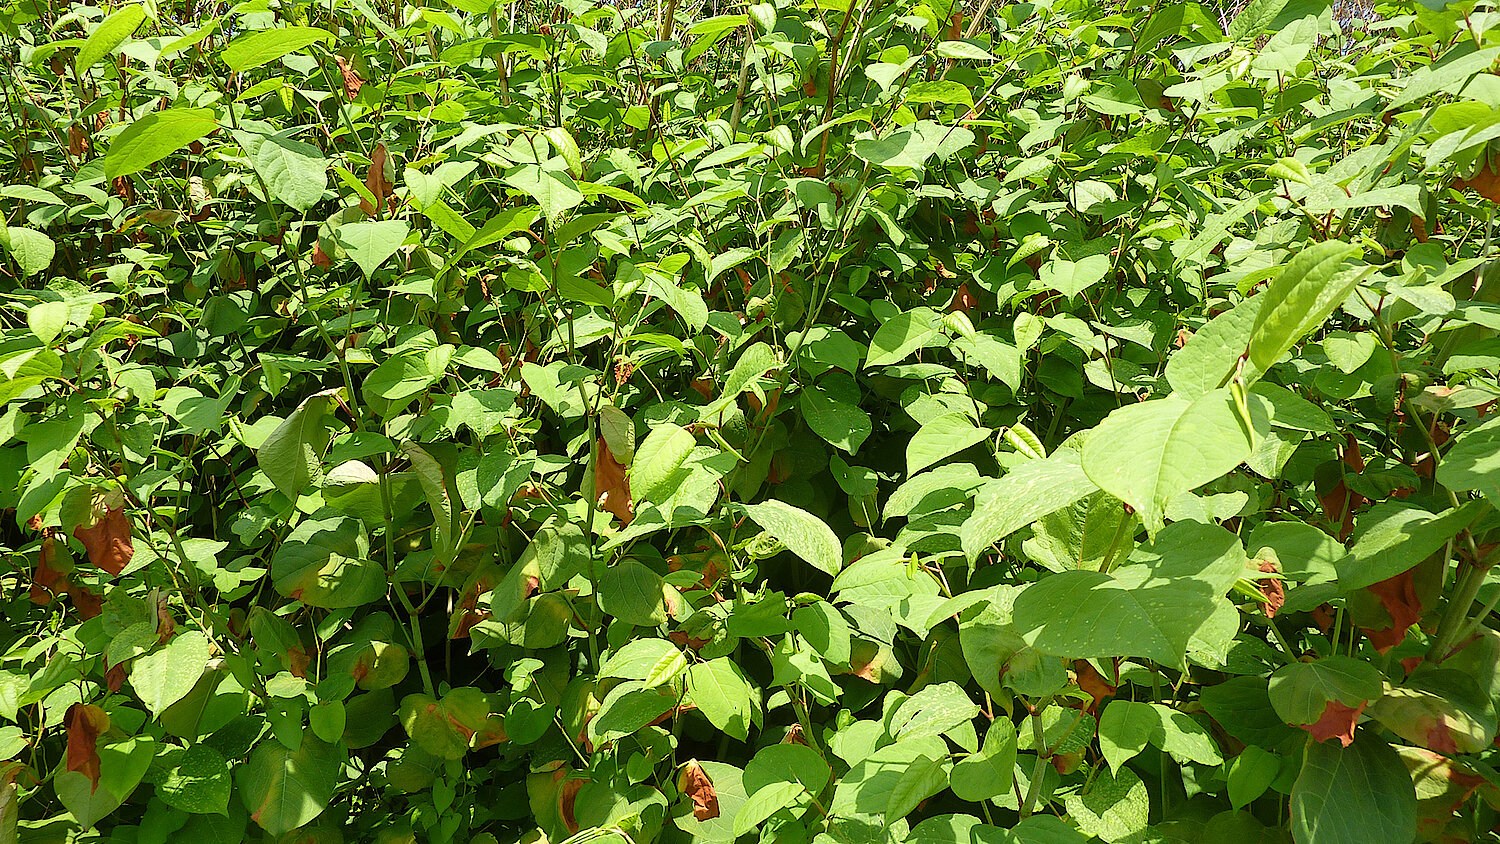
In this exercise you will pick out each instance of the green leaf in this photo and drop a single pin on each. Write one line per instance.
(632, 593)
(1071, 278)
(292, 454)
(1149, 453)
(295, 172)
(657, 470)
(197, 781)
(47, 320)
(109, 34)
(553, 190)
(369, 244)
(326, 563)
(1126, 727)
(765, 802)
(941, 437)
(1114, 807)
(831, 409)
(30, 249)
(121, 767)
(1211, 355)
(801, 532)
(166, 675)
(284, 789)
(923, 778)
(1393, 536)
(254, 49)
(1300, 298)
(724, 696)
(1151, 606)
(753, 363)
(1353, 795)
(154, 137)
(445, 727)
(1473, 463)
(1024, 494)
(1302, 690)
(901, 335)
(1250, 774)
(990, 772)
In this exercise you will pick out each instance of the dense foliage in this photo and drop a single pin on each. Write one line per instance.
(788, 422)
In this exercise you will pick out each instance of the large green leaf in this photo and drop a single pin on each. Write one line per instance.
(901, 335)
(1302, 690)
(369, 244)
(326, 563)
(284, 789)
(254, 49)
(1151, 606)
(1353, 795)
(1021, 496)
(154, 137)
(30, 249)
(1473, 463)
(292, 454)
(801, 532)
(166, 675)
(109, 34)
(724, 696)
(1149, 453)
(295, 172)
(939, 438)
(1299, 299)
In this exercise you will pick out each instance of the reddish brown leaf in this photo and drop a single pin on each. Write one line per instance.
(85, 723)
(963, 300)
(794, 735)
(567, 796)
(694, 782)
(108, 541)
(1272, 590)
(611, 484)
(85, 601)
(1337, 721)
(49, 576)
(1399, 597)
(319, 257)
(1486, 183)
(352, 82)
(298, 662)
(1093, 683)
(114, 678)
(493, 732)
(377, 181)
(78, 141)
(683, 640)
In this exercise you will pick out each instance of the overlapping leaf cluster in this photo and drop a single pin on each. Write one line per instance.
(888, 421)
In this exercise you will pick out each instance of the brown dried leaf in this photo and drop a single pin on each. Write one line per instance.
(694, 782)
(377, 181)
(352, 82)
(85, 723)
(108, 541)
(611, 484)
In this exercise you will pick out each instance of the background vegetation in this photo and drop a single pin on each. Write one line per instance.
(784, 422)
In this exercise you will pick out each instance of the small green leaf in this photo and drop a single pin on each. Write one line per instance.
(369, 244)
